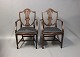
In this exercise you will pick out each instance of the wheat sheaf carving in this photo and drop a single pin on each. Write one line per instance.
(50, 12)
(27, 18)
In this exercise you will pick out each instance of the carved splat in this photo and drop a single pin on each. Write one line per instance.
(49, 12)
(27, 13)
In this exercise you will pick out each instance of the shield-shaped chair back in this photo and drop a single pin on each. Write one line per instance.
(27, 17)
(50, 17)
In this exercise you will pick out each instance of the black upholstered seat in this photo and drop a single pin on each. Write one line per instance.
(26, 30)
(51, 29)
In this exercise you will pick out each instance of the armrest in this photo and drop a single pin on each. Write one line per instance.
(62, 24)
(42, 25)
(16, 25)
(36, 21)
(17, 20)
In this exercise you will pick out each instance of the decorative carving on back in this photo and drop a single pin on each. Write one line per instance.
(49, 12)
(27, 18)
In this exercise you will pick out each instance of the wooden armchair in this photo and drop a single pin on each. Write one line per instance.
(27, 28)
(50, 28)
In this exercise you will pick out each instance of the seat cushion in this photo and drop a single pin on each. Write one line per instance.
(26, 30)
(51, 29)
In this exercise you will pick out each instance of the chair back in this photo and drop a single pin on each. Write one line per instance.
(27, 17)
(50, 17)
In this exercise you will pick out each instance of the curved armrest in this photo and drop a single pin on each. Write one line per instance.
(17, 20)
(42, 25)
(16, 25)
(62, 24)
(36, 21)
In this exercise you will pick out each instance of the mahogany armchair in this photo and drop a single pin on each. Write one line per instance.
(50, 27)
(27, 28)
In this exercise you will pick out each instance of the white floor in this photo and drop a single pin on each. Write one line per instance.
(71, 48)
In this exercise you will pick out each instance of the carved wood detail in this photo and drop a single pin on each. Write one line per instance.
(49, 12)
(27, 18)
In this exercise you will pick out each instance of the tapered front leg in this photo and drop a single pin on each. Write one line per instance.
(17, 41)
(36, 40)
(42, 41)
(62, 40)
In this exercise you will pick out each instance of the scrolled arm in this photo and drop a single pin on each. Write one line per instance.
(36, 21)
(16, 25)
(42, 25)
(62, 24)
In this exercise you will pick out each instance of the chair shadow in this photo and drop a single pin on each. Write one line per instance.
(40, 42)
(49, 43)
(66, 43)
(73, 33)
(28, 43)
(69, 28)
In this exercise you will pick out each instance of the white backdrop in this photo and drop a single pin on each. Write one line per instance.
(69, 12)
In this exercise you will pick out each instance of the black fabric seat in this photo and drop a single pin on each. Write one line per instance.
(26, 30)
(51, 29)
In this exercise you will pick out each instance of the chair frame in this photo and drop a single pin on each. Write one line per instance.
(52, 34)
(32, 34)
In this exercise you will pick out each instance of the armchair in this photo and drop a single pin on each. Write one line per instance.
(50, 28)
(26, 28)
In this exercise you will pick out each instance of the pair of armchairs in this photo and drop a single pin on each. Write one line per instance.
(49, 28)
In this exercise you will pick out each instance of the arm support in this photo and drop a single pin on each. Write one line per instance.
(42, 25)
(61, 24)
(36, 21)
(16, 25)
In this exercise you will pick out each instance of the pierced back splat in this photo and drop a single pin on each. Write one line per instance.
(27, 18)
(49, 12)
